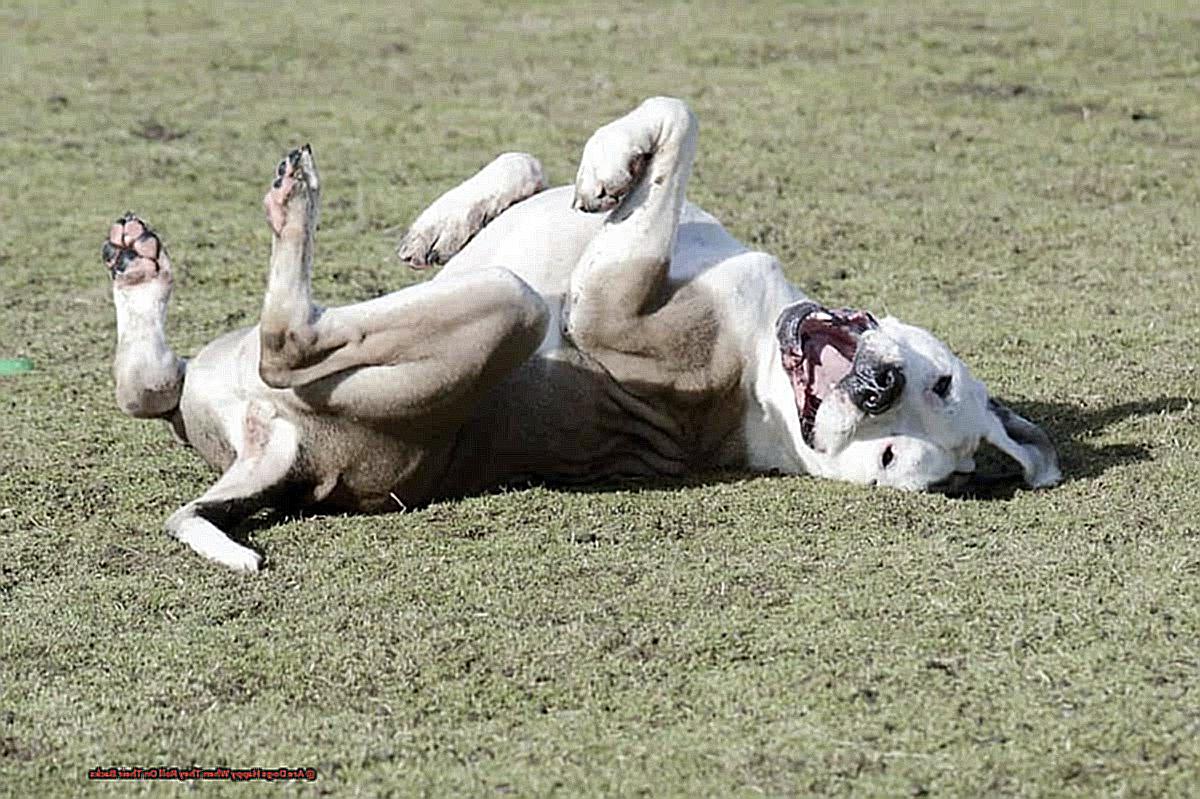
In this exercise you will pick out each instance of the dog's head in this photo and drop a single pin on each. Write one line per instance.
(882, 402)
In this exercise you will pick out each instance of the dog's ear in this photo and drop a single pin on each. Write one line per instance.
(1024, 442)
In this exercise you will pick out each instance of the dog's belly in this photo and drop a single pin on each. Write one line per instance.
(352, 466)
(559, 420)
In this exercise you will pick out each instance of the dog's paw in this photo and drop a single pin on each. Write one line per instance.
(294, 191)
(229, 554)
(135, 255)
(438, 235)
(208, 541)
(246, 561)
(613, 161)
(618, 155)
(445, 227)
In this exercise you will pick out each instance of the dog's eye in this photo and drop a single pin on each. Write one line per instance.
(942, 386)
(887, 457)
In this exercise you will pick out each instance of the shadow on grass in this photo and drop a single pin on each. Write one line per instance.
(1069, 426)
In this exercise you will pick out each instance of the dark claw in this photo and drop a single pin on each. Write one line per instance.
(282, 168)
(277, 183)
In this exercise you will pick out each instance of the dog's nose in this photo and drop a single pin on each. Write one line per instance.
(876, 389)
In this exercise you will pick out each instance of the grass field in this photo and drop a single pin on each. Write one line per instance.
(1024, 182)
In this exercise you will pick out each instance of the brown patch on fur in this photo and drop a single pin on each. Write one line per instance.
(673, 342)
(656, 394)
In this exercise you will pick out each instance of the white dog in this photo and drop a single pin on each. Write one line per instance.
(574, 335)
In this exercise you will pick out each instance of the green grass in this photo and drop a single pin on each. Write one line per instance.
(1025, 182)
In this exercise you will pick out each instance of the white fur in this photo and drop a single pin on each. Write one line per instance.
(930, 437)
(205, 539)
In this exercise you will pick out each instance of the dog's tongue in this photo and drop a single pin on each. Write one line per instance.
(829, 367)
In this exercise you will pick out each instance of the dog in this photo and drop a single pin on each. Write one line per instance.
(575, 334)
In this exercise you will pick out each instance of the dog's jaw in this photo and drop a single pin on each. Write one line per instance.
(772, 429)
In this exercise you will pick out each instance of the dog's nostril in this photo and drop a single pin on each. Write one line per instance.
(876, 390)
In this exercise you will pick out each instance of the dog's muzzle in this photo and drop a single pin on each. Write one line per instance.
(874, 388)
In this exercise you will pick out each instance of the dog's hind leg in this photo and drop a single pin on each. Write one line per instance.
(266, 452)
(423, 353)
(444, 228)
(149, 376)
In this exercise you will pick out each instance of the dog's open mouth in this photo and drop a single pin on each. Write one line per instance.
(818, 352)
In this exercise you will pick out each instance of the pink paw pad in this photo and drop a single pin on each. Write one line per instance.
(133, 253)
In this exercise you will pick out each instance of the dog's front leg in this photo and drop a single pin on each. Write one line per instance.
(444, 228)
